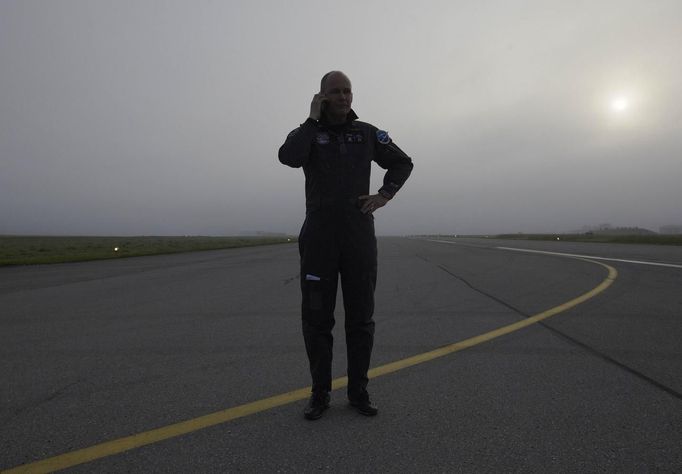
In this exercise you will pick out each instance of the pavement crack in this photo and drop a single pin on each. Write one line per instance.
(289, 280)
(36, 403)
(611, 360)
(477, 290)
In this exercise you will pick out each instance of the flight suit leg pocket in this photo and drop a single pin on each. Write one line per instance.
(319, 298)
(313, 292)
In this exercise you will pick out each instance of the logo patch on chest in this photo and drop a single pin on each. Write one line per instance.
(322, 138)
(354, 136)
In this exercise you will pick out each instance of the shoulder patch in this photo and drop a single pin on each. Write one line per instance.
(382, 137)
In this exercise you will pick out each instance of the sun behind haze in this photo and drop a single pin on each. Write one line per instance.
(620, 103)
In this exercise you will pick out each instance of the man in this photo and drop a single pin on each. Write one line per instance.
(336, 151)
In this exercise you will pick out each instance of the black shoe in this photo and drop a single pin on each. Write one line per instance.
(364, 406)
(318, 403)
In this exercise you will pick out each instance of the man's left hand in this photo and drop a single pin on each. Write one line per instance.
(372, 202)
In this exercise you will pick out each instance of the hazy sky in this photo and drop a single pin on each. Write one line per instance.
(164, 117)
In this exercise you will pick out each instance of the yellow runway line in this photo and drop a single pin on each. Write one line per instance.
(120, 445)
(465, 344)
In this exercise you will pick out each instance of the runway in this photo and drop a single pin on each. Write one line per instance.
(99, 352)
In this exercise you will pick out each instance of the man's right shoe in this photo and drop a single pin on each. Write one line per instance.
(363, 405)
(318, 403)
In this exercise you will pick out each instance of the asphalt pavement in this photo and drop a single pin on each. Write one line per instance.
(95, 352)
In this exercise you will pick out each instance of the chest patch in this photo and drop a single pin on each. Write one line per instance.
(322, 138)
(354, 136)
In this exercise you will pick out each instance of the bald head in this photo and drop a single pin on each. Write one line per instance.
(331, 75)
(338, 96)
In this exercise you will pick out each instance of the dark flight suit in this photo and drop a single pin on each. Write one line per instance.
(337, 238)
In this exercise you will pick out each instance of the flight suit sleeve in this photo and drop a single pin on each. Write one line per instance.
(394, 160)
(295, 151)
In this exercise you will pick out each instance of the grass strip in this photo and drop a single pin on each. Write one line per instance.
(29, 250)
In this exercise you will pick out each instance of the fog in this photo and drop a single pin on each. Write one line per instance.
(164, 118)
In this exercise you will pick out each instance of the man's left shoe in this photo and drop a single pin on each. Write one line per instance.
(364, 406)
(318, 403)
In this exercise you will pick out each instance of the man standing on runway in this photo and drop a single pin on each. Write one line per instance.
(336, 151)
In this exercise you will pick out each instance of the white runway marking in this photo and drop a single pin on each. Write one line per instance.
(637, 262)
(592, 257)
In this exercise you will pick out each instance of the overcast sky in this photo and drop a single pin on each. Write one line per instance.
(164, 117)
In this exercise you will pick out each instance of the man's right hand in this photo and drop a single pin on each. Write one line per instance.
(316, 106)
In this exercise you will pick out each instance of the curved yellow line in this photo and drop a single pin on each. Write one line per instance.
(465, 344)
(120, 445)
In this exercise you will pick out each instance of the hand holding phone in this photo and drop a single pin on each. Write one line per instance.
(317, 106)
